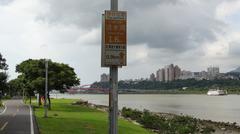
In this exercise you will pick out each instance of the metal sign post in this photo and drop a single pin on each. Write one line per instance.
(113, 101)
(113, 94)
(114, 55)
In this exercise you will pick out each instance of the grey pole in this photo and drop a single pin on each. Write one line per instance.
(46, 88)
(113, 96)
(113, 92)
(114, 5)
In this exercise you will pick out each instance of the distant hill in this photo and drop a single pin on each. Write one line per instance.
(237, 70)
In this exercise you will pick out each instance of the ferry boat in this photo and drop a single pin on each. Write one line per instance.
(216, 92)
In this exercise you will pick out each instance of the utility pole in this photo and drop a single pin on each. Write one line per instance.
(46, 89)
(113, 92)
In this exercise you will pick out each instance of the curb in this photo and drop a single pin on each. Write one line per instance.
(36, 127)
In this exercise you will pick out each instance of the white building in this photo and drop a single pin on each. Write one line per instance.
(186, 75)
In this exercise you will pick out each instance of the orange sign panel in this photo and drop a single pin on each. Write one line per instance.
(115, 27)
(114, 39)
(115, 32)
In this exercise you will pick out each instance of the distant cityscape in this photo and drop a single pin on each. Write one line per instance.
(174, 72)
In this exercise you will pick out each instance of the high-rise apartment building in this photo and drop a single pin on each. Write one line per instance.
(200, 75)
(177, 72)
(160, 75)
(168, 73)
(152, 77)
(173, 72)
(104, 78)
(212, 72)
(186, 75)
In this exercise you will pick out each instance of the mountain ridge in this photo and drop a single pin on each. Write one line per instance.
(237, 70)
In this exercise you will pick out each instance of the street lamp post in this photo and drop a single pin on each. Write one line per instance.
(46, 88)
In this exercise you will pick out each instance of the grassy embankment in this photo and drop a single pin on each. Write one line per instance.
(1, 104)
(65, 118)
(165, 123)
(1, 101)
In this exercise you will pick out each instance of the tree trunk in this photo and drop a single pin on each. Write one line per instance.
(49, 101)
(30, 98)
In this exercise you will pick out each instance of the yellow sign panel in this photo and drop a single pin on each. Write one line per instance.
(114, 38)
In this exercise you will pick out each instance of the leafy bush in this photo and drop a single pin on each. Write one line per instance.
(6, 97)
(1, 104)
(184, 124)
(164, 125)
(152, 121)
(132, 114)
(207, 130)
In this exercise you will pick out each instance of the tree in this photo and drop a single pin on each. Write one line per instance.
(3, 74)
(3, 64)
(60, 76)
(15, 86)
(19, 86)
(3, 82)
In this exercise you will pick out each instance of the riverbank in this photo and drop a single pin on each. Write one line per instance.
(67, 118)
(160, 91)
(170, 123)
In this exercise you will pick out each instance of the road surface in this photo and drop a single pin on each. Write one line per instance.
(17, 118)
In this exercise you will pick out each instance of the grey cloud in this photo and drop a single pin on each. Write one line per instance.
(5, 2)
(85, 14)
(145, 4)
(177, 25)
(234, 49)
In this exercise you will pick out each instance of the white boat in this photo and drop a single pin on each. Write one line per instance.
(216, 92)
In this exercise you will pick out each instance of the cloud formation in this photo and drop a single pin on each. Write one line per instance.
(5, 2)
(176, 24)
(191, 33)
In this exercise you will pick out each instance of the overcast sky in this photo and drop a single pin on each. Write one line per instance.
(193, 34)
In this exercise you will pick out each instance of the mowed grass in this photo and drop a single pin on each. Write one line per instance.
(65, 118)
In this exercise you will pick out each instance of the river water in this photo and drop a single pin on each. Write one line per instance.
(216, 108)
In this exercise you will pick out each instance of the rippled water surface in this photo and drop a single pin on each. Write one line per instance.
(217, 108)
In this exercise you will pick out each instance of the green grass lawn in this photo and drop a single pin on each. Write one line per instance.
(65, 118)
(1, 104)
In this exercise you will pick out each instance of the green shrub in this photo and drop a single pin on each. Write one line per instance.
(1, 104)
(132, 114)
(184, 124)
(208, 130)
(6, 97)
(174, 125)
